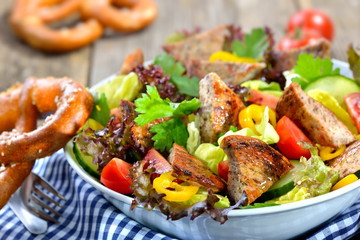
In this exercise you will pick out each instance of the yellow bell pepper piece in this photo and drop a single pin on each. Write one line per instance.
(345, 181)
(229, 57)
(333, 105)
(174, 192)
(253, 114)
(327, 153)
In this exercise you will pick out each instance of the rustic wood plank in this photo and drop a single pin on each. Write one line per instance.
(110, 52)
(19, 61)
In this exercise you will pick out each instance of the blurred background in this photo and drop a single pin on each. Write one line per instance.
(104, 57)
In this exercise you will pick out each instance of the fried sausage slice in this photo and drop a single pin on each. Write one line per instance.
(315, 120)
(188, 168)
(230, 72)
(219, 109)
(254, 166)
(199, 46)
(348, 162)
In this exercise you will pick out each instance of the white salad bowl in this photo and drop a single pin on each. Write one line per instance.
(276, 222)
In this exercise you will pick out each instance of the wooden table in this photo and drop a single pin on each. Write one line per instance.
(91, 64)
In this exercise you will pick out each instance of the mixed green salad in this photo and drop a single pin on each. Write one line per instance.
(160, 103)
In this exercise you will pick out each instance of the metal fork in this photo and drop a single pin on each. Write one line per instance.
(29, 198)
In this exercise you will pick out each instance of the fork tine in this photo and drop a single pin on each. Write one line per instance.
(41, 214)
(38, 201)
(45, 196)
(42, 182)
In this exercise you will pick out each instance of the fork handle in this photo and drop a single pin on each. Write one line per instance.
(34, 224)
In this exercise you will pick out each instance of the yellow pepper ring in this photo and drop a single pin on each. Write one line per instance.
(174, 192)
(253, 114)
(327, 153)
(229, 57)
(345, 181)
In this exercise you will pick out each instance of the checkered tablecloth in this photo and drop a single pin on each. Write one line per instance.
(88, 215)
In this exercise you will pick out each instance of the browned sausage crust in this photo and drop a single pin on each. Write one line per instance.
(188, 168)
(254, 166)
(315, 120)
(348, 162)
(219, 109)
(199, 46)
(230, 72)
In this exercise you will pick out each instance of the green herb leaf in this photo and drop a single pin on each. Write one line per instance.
(186, 107)
(354, 61)
(152, 107)
(186, 85)
(166, 133)
(253, 45)
(169, 65)
(101, 110)
(311, 69)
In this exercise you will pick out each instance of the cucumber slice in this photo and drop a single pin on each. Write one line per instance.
(337, 86)
(284, 185)
(85, 162)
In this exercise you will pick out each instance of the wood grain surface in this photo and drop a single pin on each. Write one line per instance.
(91, 64)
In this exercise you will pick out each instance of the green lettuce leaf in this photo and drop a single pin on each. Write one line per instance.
(121, 87)
(315, 179)
(101, 110)
(211, 155)
(201, 195)
(316, 176)
(193, 141)
(271, 88)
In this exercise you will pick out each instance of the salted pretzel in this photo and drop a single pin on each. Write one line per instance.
(136, 15)
(21, 141)
(28, 20)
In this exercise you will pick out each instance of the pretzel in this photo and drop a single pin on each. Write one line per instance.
(21, 105)
(55, 10)
(136, 16)
(28, 21)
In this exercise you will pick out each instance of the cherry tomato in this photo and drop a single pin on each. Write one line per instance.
(314, 20)
(290, 137)
(155, 160)
(115, 176)
(299, 38)
(352, 102)
(223, 169)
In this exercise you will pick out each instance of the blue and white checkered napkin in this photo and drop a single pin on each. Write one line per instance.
(88, 215)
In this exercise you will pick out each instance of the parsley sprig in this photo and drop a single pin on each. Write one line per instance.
(254, 45)
(311, 69)
(151, 107)
(186, 85)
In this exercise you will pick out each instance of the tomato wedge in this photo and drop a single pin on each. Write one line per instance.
(263, 99)
(290, 137)
(352, 102)
(155, 160)
(115, 176)
(223, 169)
